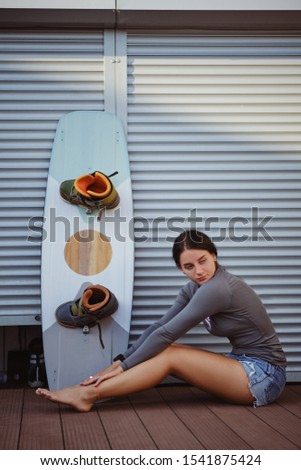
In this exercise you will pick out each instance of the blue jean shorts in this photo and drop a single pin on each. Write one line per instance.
(266, 381)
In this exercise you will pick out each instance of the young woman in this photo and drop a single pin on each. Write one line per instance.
(253, 373)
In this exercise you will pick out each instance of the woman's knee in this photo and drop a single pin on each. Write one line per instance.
(180, 346)
(171, 356)
(168, 354)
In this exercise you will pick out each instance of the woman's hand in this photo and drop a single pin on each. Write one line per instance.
(111, 371)
(118, 370)
(90, 380)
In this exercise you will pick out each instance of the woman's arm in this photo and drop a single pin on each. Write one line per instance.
(180, 302)
(212, 297)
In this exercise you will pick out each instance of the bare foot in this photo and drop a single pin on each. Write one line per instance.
(80, 398)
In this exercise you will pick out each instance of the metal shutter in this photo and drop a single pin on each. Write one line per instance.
(43, 76)
(214, 126)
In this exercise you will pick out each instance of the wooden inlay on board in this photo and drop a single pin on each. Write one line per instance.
(88, 252)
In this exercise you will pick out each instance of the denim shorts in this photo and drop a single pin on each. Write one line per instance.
(266, 381)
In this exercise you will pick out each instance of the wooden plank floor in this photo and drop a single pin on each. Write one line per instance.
(167, 417)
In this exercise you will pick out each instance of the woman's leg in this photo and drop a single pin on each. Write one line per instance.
(214, 373)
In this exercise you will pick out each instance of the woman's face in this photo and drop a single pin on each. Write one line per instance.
(198, 265)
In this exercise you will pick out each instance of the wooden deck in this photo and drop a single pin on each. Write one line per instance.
(167, 418)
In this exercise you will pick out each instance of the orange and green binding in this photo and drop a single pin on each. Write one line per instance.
(95, 304)
(91, 191)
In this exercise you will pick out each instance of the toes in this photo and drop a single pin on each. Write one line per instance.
(43, 392)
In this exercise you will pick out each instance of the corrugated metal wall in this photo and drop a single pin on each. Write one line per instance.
(42, 76)
(214, 133)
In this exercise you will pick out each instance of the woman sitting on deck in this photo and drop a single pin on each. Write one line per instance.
(253, 373)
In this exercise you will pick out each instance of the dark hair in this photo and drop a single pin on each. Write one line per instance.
(192, 240)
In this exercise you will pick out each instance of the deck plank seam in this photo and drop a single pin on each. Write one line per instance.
(62, 426)
(21, 420)
(137, 414)
(268, 423)
(103, 427)
(222, 421)
(182, 421)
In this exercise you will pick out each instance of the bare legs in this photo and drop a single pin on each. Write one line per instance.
(208, 371)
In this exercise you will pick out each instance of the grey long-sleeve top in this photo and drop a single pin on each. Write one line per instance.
(227, 306)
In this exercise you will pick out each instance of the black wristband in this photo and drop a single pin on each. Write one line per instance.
(120, 357)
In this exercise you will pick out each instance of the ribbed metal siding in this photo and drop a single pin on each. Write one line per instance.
(214, 125)
(42, 76)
